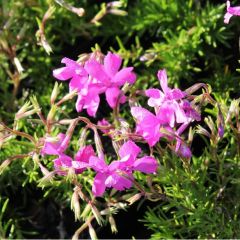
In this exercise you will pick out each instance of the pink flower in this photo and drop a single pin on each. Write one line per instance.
(73, 71)
(57, 146)
(80, 162)
(118, 174)
(111, 77)
(148, 125)
(165, 103)
(230, 12)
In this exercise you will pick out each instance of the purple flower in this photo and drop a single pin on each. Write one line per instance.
(111, 77)
(56, 146)
(80, 162)
(165, 103)
(230, 12)
(118, 174)
(73, 71)
(148, 125)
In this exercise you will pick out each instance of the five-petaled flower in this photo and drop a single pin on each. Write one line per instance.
(119, 174)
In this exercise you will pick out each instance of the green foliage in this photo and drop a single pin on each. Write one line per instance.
(189, 39)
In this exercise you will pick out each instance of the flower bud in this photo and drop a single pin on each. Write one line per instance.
(75, 205)
(82, 138)
(55, 92)
(86, 211)
(26, 106)
(18, 65)
(98, 143)
(4, 165)
(97, 215)
(115, 4)
(51, 113)
(134, 198)
(92, 232)
(117, 12)
(112, 224)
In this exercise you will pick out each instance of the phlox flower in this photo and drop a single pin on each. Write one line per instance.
(230, 12)
(55, 146)
(119, 174)
(79, 163)
(111, 77)
(166, 102)
(73, 71)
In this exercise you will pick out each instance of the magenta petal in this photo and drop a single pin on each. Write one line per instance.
(162, 76)
(63, 161)
(129, 148)
(79, 103)
(122, 183)
(146, 165)
(70, 63)
(99, 187)
(96, 70)
(123, 76)
(51, 148)
(79, 165)
(91, 104)
(63, 73)
(149, 128)
(77, 82)
(97, 164)
(176, 94)
(184, 151)
(112, 63)
(112, 95)
(140, 113)
(84, 154)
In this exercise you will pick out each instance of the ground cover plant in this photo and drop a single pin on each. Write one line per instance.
(119, 115)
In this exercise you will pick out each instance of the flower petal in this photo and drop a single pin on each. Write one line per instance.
(112, 95)
(146, 164)
(112, 63)
(123, 76)
(129, 148)
(99, 186)
(162, 76)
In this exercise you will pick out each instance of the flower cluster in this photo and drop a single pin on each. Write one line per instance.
(93, 78)
(97, 74)
(118, 174)
(173, 113)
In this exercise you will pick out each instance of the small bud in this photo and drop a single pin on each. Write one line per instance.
(67, 97)
(117, 12)
(51, 113)
(220, 122)
(4, 165)
(27, 106)
(54, 93)
(79, 11)
(203, 131)
(18, 65)
(134, 198)
(82, 138)
(112, 224)
(92, 232)
(234, 108)
(86, 211)
(75, 205)
(98, 143)
(115, 4)
(35, 104)
(97, 215)
(46, 179)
